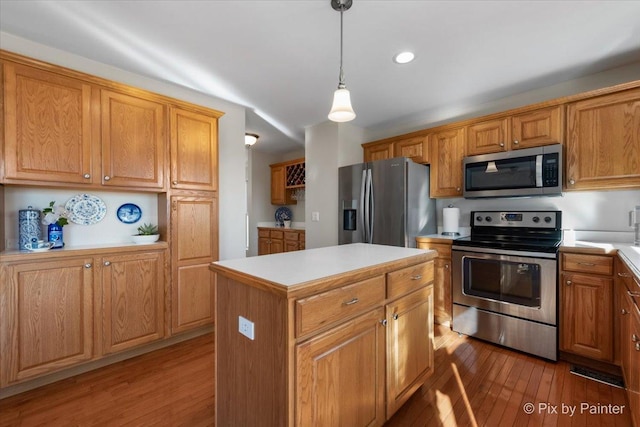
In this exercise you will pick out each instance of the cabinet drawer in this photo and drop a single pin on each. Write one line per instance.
(597, 264)
(408, 279)
(263, 233)
(291, 235)
(334, 305)
(275, 234)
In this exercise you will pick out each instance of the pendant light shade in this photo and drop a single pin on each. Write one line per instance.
(341, 110)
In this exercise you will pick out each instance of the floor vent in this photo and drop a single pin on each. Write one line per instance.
(612, 380)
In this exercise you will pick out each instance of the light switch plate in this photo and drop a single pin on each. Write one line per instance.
(315, 216)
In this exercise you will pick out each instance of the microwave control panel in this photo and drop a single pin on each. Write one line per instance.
(550, 167)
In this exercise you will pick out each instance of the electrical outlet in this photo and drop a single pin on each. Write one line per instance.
(315, 216)
(245, 327)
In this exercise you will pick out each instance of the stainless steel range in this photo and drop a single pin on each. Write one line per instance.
(505, 280)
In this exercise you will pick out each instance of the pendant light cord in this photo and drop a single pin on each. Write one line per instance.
(341, 84)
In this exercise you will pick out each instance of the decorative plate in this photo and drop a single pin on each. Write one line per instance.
(86, 209)
(129, 213)
(283, 213)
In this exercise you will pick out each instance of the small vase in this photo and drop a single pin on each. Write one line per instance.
(55, 236)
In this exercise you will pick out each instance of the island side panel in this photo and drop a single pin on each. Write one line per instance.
(251, 375)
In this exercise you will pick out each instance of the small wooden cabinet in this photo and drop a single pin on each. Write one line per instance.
(46, 317)
(447, 151)
(416, 148)
(194, 245)
(286, 177)
(603, 142)
(488, 137)
(133, 300)
(586, 305)
(194, 150)
(277, 240)
(377, 151)
(442, 300)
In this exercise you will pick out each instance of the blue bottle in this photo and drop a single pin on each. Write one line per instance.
(55, 235)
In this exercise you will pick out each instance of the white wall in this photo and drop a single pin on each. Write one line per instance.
(232, 202)
(328, 146)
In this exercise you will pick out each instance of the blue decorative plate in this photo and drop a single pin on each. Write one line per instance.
(86, 209)
(129, 213)
(283, 213)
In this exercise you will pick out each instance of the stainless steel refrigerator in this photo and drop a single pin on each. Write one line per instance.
(385, 202)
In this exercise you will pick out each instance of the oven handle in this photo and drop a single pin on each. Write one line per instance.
(504, 252)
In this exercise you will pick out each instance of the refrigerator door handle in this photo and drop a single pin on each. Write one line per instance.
(361, 214)
(372, 206)
(367, 206)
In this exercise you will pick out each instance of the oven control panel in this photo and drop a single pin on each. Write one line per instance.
(529, 219)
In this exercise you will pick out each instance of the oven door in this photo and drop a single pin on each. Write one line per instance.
(514, 285)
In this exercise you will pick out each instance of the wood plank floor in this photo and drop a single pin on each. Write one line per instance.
(475, 384)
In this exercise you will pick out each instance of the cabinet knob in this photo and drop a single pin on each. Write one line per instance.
(634, 338)
(107, 263)
(623, 312)
(446, 266)
(107, 177)
(87, 265)
(86, 176)
(174, 182)
(572, 181)
(351, 302)
(502, 144)
(638, 346)
(395, 316)
(458, 189)
(516, 142)
(569, 282)
(383, 322)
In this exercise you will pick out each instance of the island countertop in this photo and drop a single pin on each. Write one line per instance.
(291, 269)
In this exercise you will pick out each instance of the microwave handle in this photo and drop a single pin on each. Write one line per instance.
(539, 170)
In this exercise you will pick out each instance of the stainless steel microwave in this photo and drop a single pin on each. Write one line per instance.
(530, 172)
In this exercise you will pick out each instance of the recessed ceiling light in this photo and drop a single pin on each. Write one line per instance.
(403, 57)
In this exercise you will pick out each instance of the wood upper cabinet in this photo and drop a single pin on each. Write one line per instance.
(46, 317)
(47, 126)
(194, 150)
(194, 240)
(373, 152)
(447, 151)
(279, 194)
(133, 141)
(586, 306)
(539, 127)
(340, 375)
(133, 300)
(603, 142)
(488, 137)
(409, 344)
(417, 149)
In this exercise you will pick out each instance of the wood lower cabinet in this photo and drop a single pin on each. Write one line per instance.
(194, 150)
(409, 344)
(194, 245)
(277, 240)
(603, 142)
(442, 299)
(46, 317)
(447, 150)
(586, 306)
(340, 375)
(133, 300)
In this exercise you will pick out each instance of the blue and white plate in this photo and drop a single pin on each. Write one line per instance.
(129, 213)
(283, 213)
(86, 209)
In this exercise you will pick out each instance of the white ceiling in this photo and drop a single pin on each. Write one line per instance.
(280, 59)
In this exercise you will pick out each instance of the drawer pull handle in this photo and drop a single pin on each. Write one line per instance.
(353, 301)
(588, 264)
(624, 275)
(416, 277)
(395, 316)
(634, 294)
(383, 322)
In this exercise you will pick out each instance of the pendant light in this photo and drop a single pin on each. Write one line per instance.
(250, 139)
(341, 110)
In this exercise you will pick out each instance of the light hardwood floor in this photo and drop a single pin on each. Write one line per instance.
(474, 384)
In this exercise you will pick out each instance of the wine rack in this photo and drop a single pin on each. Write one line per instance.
(295, 175)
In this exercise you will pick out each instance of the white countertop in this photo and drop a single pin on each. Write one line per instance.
(629, 253)
(294, 268)
(631, 256)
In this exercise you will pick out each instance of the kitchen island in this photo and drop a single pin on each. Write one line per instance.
(339, 335)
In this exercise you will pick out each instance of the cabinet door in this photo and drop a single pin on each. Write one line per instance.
(442, 310)
(264, 246)
(603, 142)
(133, 300)
(133, 141)
(378, 152)
(447, 151)
(536, 128)
(194, 242)
(410, 346)
(340, 375)
(194, 150)
(279, 194)
(47, 125)
(488, 137)
(417, 149)
(276, 246)
(291, 245)
(633, 386)
(623, 319)
(587, 319)
(46, 317)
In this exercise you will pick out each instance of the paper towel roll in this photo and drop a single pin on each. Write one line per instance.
(450, 219)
